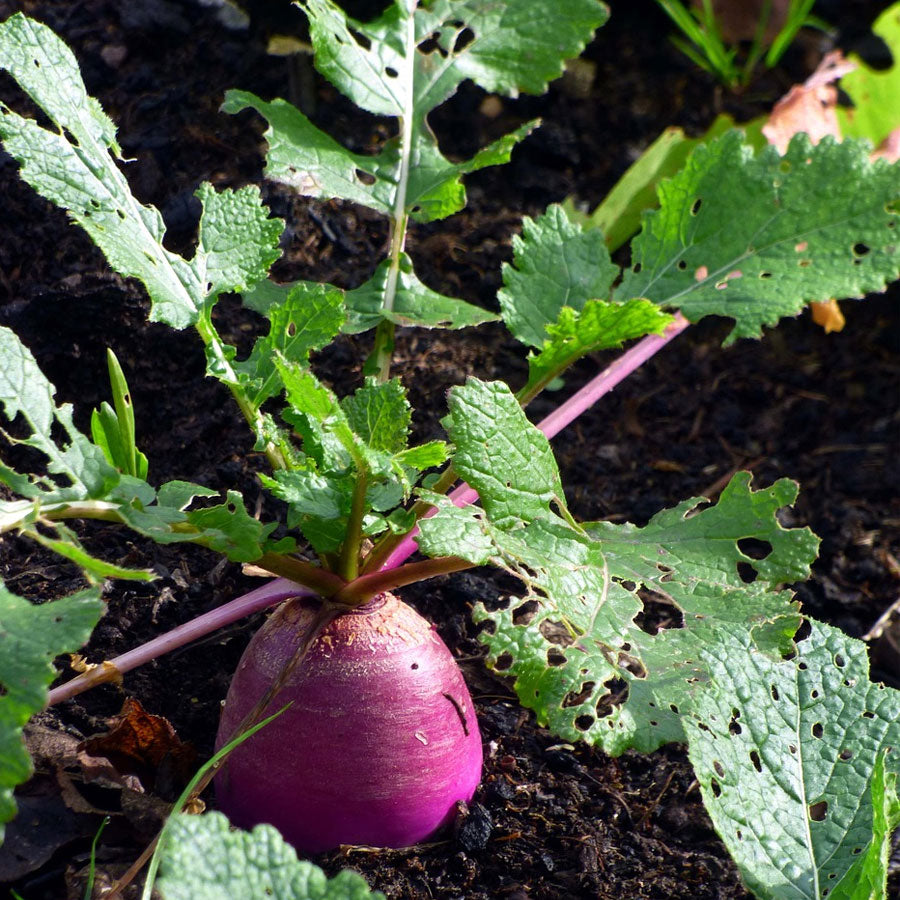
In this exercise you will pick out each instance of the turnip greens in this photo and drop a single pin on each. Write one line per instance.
(794, 748)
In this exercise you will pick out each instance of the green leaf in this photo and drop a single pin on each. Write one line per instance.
(424, 456)
(313, 163)
(74, 167)
(238, 241)
(875, 93)
(306, 319)
(30, 637)
(509, 46)
(204, 859)
(318, 504)
(380, 414)
(707, 541)
(229, 529)
(756, 238)
(515, 45)
(507, 460)
(598, 326)
(318, 418)
(619, 215)
(415, 304)
(180, 494)
(113, 429)
(556, 264)
(25, 391)
(865, 879)
(790, 789)
(574, 644)
(94, 569)
(435, 188)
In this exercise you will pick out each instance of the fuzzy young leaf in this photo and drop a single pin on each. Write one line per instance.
(318, 505)
(790, 788)
(306, 318)
(362, 436)
(30, 637)
(758, 237)
(238, 242)
(598, 326)
(555, 264)
(204, 859)
(511, 466)
(415, 304)
(380, 414)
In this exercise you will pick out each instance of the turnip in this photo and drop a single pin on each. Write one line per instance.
(380, 741)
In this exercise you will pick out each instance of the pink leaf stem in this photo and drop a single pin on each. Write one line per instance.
(270, 593)
(563, 416)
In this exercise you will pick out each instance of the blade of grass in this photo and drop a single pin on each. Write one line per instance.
(189, 790)
(89, 887)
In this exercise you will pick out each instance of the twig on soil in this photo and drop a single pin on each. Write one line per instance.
(877, 630)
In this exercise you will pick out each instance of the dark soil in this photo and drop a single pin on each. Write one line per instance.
(551, 820)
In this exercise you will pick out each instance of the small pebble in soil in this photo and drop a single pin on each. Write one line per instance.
(473, 829)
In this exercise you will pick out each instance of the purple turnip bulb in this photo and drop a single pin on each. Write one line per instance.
(380, 741)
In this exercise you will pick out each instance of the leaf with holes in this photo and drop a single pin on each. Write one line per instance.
(790, 790)
(574, 644)
(30, 637)
(508, 47)
(757, 237)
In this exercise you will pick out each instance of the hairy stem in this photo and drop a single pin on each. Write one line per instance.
(277, 456)
(384, 333)
(349, 562)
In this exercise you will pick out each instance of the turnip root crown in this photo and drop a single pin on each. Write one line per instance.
(380, 741)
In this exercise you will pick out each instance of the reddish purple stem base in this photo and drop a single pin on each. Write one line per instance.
(281, 589)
